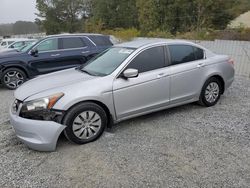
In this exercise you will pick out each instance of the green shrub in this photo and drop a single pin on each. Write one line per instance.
(123, 34)
(159, 34)
(198, 35)
(92, 26)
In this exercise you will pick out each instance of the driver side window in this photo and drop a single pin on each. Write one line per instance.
(148, 60)
(48, 45)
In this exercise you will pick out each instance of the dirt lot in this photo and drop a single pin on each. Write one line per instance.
(188, 146)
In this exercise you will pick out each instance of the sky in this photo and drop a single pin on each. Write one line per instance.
(15, 10)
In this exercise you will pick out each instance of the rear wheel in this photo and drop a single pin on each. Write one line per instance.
(211, 92)
(85, 123)
(13, 78)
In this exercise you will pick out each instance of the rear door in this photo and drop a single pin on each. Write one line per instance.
(187, 70)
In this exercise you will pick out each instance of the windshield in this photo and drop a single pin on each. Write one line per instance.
(26, 47)
(106, 62)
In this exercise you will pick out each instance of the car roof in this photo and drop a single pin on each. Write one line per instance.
(76, 34)
(15, 39)
(138, 43)
(22, 40)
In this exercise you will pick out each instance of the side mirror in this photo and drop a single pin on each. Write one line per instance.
(130, 73)
(34, 52)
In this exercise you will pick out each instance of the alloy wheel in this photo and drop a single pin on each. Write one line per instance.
(13, 79)
(212, 92)
(86, 125)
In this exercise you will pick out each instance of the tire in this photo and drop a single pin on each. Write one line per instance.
(211, 92)
(82, 123)
(12, 78)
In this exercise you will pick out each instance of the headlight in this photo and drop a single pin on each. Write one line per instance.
(45, 103)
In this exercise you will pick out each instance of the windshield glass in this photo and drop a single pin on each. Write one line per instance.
(26, 47)
(106, 62)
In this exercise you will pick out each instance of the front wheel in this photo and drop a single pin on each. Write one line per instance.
(211, 92)
(85, 123)
(13, 78)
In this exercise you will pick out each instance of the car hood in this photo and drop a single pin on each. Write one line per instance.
(8, 50)
(10, 54)
(51, 81)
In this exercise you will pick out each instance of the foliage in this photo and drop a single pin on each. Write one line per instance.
(123, 34)
(114, 14)
(159, 34)
(163, 18)
(147, 15)
(94, 26)
(62, 15)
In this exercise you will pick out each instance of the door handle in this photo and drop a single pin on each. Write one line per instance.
(162, 75)
(201, 65)
(84, 52)
(55, 55)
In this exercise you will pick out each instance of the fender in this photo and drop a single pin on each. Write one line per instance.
(15, 64)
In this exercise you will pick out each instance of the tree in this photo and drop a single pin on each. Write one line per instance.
(62, 15)
(20, 27)
(114, 14)
(148, 16)
(23, 27)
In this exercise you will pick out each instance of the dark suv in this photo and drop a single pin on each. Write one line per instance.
(50, 54)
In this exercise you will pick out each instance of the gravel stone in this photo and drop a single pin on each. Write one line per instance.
(187, 146)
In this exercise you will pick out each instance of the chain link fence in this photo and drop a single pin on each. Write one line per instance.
(238, 50)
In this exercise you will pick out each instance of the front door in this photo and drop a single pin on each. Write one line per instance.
(148, 91)
(48, 57)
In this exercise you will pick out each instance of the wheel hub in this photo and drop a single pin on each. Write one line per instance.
(212, 92)
(86, 125)
(13, 79)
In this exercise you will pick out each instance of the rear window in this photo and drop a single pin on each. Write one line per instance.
(181, 54)
(101, 40)
(199, 53)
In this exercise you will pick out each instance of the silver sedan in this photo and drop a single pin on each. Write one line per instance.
(125, 81)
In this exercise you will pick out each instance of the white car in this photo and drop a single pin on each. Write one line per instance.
(20, 44)
(6, 42)
(9, 43)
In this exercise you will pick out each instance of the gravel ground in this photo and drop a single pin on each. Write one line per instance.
(188, 146)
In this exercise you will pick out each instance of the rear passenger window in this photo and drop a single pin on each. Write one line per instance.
(74, 42)
(101, 40)
(181, 54)
(199, 53)
(148, 60)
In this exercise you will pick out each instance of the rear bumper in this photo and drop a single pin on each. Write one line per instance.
(228, 83)
(37, 135)
(230, 77)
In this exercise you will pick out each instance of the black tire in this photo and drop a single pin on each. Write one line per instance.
(71, 118)
(203, 100)
(12, 78)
